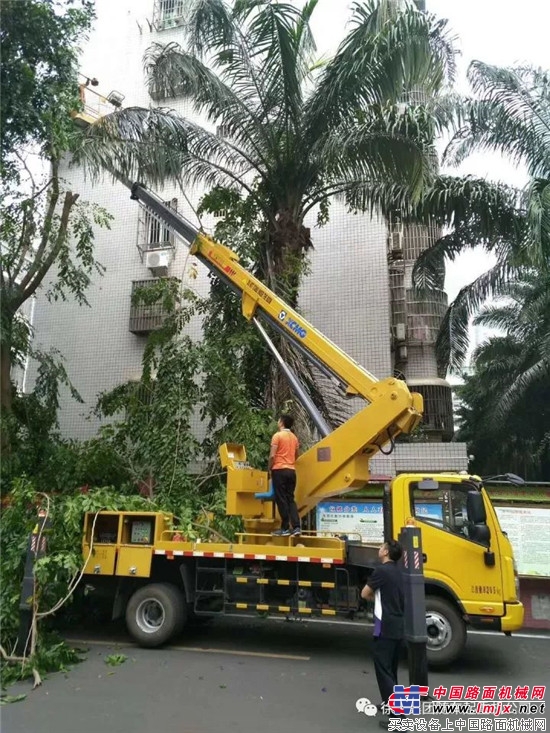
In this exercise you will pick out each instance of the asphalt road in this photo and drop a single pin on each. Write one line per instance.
(247, 676)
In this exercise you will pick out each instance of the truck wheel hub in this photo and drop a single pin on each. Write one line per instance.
(439, 630)
(150, 616)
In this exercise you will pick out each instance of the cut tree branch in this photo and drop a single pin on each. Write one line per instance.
(50, 211)
(38, 275)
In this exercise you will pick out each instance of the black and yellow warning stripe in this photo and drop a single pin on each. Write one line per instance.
(274, 581)
(281, 609)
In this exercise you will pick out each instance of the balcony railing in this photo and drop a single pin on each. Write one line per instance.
(145, 318)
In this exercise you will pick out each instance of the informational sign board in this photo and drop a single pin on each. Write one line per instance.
(356, 519)
(528, 529)
(361, 519)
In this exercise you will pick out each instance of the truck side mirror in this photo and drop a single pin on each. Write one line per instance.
(475, 508)
(480, 533)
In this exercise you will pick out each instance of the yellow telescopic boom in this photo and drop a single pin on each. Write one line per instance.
(339, 461)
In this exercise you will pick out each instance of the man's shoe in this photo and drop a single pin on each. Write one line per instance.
(296, 532)
(281, 533)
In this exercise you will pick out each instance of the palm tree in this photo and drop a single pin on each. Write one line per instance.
(505, 412)
(511, 116)
(292, 132)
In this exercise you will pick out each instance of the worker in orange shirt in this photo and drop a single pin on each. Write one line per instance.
(282, 466)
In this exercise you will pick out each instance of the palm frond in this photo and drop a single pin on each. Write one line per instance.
(210, 24)
(454, 337)
(362, 155)
(535, 374)
(538, 218)
(156, 145)
(496, 316)
(173, 72)
(271, 37)
(477, 212)
(389, 52)
(304, 37)
(512, 117)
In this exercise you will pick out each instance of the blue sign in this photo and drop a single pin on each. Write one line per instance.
(345, 507)
(428, 510)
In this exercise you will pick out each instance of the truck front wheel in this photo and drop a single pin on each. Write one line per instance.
(155, 613)
(446, 632)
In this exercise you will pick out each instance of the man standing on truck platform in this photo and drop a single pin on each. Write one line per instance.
(282, 466)
(385, 587)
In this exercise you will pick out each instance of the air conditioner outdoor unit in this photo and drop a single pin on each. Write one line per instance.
(158, 260)
(400, 331)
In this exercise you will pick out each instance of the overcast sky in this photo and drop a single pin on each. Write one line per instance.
(498, 32)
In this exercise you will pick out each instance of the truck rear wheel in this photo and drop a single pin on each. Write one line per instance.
(446, 632)
(155, 613)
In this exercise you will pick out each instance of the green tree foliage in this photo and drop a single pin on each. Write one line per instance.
(234, 359)
(40, 453)
(152, 435)
(509, 115)
(56, 574)
(39, 41)
(505, 403)
(46, 232)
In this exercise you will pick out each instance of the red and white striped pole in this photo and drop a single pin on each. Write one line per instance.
(415, 604)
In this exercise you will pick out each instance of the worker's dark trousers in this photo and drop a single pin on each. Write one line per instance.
(386, 659)
(284, 483)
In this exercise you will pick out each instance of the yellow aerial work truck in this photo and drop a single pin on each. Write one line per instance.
(160, 578)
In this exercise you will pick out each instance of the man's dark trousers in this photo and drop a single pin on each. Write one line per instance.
(386, 659)
(284, 484)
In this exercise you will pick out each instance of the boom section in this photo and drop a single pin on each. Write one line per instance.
(259, 300)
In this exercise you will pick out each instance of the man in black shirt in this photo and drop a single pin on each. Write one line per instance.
(385, 587)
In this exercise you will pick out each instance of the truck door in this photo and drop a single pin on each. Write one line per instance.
(457, 551)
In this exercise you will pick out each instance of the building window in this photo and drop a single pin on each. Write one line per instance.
(156, 235)
(168, 14)
(152, 232)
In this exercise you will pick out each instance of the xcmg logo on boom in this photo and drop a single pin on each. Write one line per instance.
(293, 325)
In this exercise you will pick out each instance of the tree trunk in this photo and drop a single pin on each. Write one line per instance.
(6, 393)
(287, 245)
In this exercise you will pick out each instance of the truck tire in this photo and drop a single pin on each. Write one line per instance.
(446, 632)
(155, 613)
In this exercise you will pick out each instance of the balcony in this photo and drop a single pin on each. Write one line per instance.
(145, 318)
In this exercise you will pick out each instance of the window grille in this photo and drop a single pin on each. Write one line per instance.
(168, 14)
